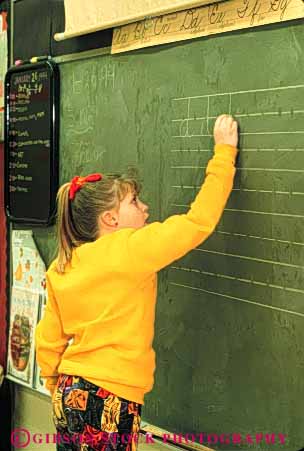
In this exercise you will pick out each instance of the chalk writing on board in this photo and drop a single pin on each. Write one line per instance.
(83, 81)
(19, 165)
(19, 133)
(17, 154)
(269, 184)
(25, 87)
(204, 21)
(30, 137)
(86, 153)
(43, 142)
(30, 117)
(81, 121)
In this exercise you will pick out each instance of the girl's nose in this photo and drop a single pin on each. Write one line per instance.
(144, 207)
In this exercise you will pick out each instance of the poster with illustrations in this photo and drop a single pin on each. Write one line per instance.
(23, 319)
(28, 266)
(28, 297)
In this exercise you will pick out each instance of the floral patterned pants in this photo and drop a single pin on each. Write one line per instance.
(90, 418)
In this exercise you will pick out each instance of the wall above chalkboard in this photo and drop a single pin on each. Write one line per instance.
(31, 142)
(97, 15)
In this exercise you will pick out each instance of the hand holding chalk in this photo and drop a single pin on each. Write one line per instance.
(226, 130)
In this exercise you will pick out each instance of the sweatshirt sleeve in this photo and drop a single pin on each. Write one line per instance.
(50, 341)
(157, 245)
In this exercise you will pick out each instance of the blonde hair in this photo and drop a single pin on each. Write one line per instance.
(77, 219)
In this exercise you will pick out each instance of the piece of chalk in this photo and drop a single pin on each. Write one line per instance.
(38, 59)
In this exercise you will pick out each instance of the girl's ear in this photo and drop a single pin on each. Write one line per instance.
(108, 219)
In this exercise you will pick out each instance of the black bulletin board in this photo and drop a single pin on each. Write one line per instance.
(31, 142)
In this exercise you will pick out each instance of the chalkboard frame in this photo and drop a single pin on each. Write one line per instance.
(54, 104)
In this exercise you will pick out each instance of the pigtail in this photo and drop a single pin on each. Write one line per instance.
(66, 234)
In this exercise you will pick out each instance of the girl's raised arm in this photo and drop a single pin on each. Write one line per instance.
(157, 245)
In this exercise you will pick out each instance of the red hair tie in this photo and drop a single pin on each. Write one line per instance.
(77, 182)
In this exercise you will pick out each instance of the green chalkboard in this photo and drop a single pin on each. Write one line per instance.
(229, 325)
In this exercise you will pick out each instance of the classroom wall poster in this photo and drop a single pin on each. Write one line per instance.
(28, 266)
(27, 302)
(204, 21)
(23, 320)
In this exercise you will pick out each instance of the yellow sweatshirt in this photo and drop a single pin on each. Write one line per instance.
(99, 318)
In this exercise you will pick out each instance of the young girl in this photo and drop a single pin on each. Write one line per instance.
(94, 343)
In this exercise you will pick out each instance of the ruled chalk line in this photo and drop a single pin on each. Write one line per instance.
(234, 298)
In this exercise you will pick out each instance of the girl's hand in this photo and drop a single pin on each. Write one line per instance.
(226, 130)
